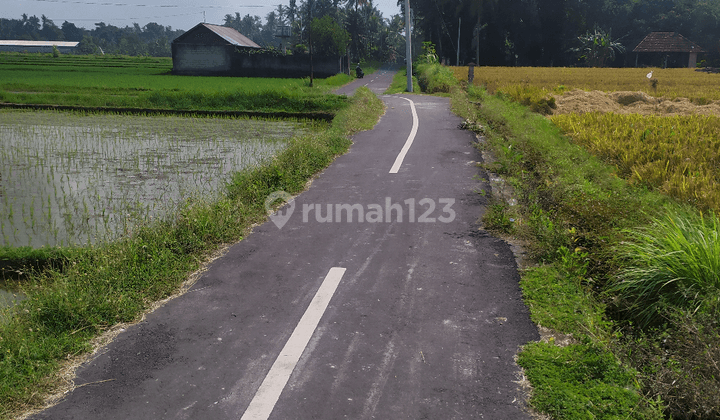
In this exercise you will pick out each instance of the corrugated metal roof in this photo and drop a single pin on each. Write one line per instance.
(232, 36)
(667, 42)
(17, 43)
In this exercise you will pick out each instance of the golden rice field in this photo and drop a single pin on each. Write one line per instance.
(672, 83)
(678, 155)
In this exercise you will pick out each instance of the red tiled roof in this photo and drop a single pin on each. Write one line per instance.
(667, 42)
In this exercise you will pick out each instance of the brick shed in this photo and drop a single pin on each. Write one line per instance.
(208, 50)
(213, 50)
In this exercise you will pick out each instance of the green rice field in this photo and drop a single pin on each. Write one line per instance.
(70, 179)
(144, 82)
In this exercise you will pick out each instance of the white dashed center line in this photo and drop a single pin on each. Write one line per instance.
(269, 392)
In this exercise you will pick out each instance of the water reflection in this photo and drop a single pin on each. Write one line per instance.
(69, 178)
(74, 179)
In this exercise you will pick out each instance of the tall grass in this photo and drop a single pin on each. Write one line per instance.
(673, 263)
(434, 78)
(570, 210)
(583, 225)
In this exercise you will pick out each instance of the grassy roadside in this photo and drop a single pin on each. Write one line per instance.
(85, 291)
(630, 274)
(399, 83)
(572, 211)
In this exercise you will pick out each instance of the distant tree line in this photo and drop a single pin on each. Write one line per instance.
(552, 32)
(492, 32)
(356, 27)
(150, 40)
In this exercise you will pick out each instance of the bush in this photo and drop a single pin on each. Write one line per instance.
(680, 364)
(435, 78)
(300, 49)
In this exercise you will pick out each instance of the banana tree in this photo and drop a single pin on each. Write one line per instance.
(598, 47)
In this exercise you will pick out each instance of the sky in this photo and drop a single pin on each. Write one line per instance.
(178, 14)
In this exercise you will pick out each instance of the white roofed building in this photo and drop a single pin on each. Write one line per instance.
(37, 46)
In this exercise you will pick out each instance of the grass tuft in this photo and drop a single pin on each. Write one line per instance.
(673, 263)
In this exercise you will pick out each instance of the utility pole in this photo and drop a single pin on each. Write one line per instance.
(457, 63)
(310, 5)
(408, 46)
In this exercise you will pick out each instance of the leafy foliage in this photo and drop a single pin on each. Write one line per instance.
(328, 36)
(597, 48)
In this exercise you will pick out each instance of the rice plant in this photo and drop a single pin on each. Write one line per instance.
(677, 156)
(672, 83)
(76, 178)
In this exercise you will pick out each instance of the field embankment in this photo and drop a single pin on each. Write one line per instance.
(624, 261)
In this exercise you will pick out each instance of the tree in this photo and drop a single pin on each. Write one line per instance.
(267, 34)
(598, 47)
(130, 44)
(87, 45)
(250, 26)
(329, 38)
(50, 31)
(72, 32)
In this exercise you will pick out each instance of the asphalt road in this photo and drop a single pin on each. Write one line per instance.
(378, 298)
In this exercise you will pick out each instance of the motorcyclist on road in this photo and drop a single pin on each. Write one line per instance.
(359, 72)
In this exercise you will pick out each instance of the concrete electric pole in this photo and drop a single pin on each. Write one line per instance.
(408, 46)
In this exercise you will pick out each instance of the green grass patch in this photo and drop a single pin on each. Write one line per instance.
(399, 83)
(581, 382)
(97, 287)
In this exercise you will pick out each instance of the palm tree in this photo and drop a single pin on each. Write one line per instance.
(356, 3)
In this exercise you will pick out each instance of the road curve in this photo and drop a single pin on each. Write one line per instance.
(421, 317)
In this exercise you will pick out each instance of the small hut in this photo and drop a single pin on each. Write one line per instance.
(663, 48)
(208, 50)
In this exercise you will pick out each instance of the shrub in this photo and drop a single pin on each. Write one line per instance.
(435, 78)
(679, 365)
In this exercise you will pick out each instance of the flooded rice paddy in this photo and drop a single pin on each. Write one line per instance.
(73, 179)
